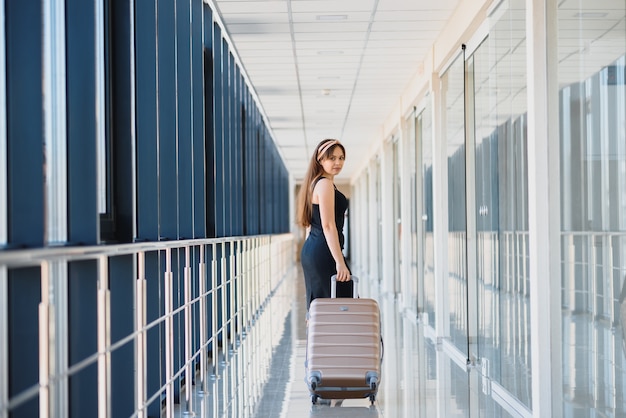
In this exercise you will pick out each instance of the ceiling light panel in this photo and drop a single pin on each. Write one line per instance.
(258, 28)
(262, 41)
(329, 36)
(416, 16)
(331, 18)
(423, 35)
(310, 77)
(280, 61)
(337, 27)
(285, 60)
(349, 46)
(399, 44)
(251, 53)
(352, 16)
(401, 26)
(331, 6)
(252, 7)
(244, 18)
(320, 62)
(244, 45)
(417, 5)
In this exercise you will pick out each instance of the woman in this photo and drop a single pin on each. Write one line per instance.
(321, 207)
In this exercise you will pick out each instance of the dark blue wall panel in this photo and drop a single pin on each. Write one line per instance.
(83, 217)
(168, 138)
(146, 122)
(184, 100)
(236, 154)
(226, 139)
(119, 132)
(218, 127)
(197, 129)
(227, 65)
(209, 122)
(25, 124)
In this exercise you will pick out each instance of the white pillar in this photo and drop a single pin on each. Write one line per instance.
(440, 213)
(407, 282)
(373, 247)
(544, 208)
(388, 218)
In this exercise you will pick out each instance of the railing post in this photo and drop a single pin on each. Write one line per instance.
(189, 369)
(203, 321)
(169, 337)
(214, 330)
(240, 285)
(44, 343)
(246, 286)
(233, 278)
(104, 339)
(223, 286)
(256, 294)
(140, 344)
(53, 339)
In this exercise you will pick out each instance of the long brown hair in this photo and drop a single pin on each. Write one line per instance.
(305, 207)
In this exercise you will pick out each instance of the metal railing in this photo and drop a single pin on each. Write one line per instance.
(211, 291)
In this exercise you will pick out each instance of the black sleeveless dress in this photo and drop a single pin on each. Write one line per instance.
(317, 261)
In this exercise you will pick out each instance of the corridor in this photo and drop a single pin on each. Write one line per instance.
(419, 379)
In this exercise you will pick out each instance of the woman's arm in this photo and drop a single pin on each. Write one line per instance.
(326, 199)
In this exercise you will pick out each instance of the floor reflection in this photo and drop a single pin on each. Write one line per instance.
(255, 383)
(341, 411)
(422, 376)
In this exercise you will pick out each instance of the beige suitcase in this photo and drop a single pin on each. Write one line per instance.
(344, 347)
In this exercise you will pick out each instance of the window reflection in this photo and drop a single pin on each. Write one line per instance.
(453, 118)
(592, 44)
(498, 73)
(425, 139)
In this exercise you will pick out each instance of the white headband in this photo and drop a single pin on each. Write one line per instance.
(325, 148)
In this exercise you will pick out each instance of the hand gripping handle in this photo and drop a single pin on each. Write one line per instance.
(333, 286)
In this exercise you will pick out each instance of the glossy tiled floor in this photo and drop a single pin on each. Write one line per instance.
(264, 376)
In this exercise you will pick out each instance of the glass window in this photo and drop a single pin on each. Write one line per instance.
(453, 122)
(409, 288)
(426, 213)
(592, 92)
(397, 209)
(497, 72)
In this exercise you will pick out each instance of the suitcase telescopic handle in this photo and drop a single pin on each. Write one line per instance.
(333, 286)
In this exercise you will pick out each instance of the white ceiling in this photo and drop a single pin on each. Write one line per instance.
(337, 68)
(331, 68)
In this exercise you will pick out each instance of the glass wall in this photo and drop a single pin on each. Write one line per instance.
(453, 122)
(379, 220)
(497, 72)
(397, 215)
(426, 214)
(592, 79)
(409, 287)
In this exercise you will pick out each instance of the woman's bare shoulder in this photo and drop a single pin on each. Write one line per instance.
(323, 184)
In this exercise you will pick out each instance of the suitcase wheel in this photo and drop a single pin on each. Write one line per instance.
(372, 399)
(314, 399)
